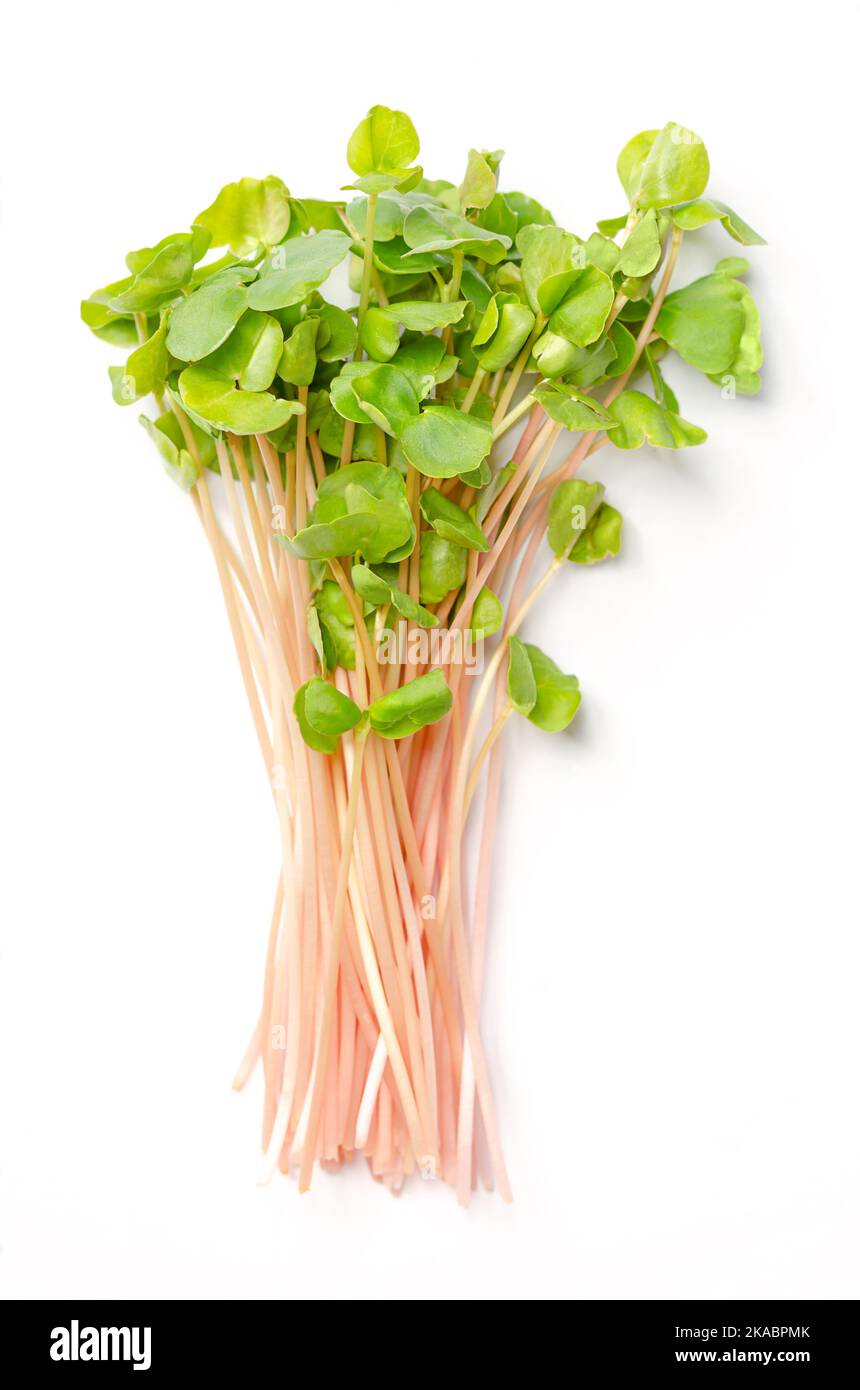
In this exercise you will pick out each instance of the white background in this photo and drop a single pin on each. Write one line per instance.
(672, 1003)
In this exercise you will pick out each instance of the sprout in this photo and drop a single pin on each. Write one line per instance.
(354, 473)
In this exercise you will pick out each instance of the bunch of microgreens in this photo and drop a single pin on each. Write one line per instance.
(362, 459)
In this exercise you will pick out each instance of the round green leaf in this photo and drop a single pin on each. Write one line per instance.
(248, 214)
(441, 567)
(342, 535)
(675, 169)
(203, 321)
(297, 267)
(327, 710)
(411, 707)
(384, 141)
(442, 442)
(704, 322)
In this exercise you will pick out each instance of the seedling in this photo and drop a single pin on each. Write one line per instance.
(366, 461)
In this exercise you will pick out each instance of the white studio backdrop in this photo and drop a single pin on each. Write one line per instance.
(671, 1003)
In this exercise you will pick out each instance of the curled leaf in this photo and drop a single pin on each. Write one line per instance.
(522, 688)
(557, 696)
(411, 707)
(641, 419)
(691, 216)
(327, 710)
(487, 614)
(574, 503)
(450, 521)
(376, 590)
(571, 408)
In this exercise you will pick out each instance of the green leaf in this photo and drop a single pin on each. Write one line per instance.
(145, 371)
(296, 268)
(384, 142)
(321, 214)
(734, 266)
(178, 462)
(602, 537)
(478, 188)
(322, 743)
(675, 169)
(379, 336)
(522, 687)
(630, 162)
(582, 314)
(436, 229)
(320, 640)
(202, 322)
(450, 521)
(641, 419)
(343, 398)
(106, 323)
(376, 590)
(387, 397)
(441, 567)
(552, 258)
(498, 216)
(704, 322)
(602, 252)
(426, 363)
(691, 216)
(251, 354)
(414, 705)
(742, 371)
(337, 625)
(504, 328)
(422, 315)
(574, 504)
(371, 488)
(442, 442)
(158, 273)
(642, 250)
(571, 408)
(327, 710)
(211, 395)
(557, 696)
(343, 535)
(611, 226)
(297, 359)
(337, 336)
(248, 214)
(487, 615)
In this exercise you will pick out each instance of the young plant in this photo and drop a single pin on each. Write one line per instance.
(363, 456)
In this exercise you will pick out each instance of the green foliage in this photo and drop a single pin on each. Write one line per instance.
(418, 703)
(641, 420)
(451, 522)
(442, 442)
(248, 215)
